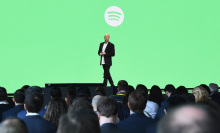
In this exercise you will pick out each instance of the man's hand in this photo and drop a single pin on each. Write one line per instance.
(102, 53)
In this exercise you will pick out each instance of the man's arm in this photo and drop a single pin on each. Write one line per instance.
(111, 52)
(100, 50)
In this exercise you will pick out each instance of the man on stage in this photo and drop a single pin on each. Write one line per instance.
(106, 51)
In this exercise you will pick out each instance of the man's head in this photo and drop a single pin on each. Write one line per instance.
(107, 107)
(80, 103)
(106, 37)
(169, 89)
(137, 101)
(13, 125)
(79, 121)
(190, 119)
(213, 88)
(143, 88)
(3, 94)
(34, 89)
(34, 102)
(123, 85)
(55, 92)
(19, 96)
(173, 102)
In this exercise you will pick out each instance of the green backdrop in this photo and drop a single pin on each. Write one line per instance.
(159, 42)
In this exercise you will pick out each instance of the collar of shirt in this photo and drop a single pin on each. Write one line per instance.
(31, 114)
(4, 102)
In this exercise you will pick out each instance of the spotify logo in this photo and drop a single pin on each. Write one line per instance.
(114, 16)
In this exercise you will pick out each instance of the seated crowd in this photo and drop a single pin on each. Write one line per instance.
(130, 110)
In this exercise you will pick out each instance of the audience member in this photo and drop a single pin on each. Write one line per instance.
(4, 105)
(107, 113)
(214, 92)
(80, 103)
(137, 121)
(55, 92)
(200, 94)
(83, 92)
(18, 99)
(190, 119)
(55, 109)
(79, 121)
(95, 100)
(154, 102)
(100, 91)
(35, 123)
(169, 90)
(25, 87)
(143, 88)
(181, 90)
(70, 95)
(206, 88)
(13, 125)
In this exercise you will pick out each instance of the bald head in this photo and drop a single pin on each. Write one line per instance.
(106, 37)
(190, 119)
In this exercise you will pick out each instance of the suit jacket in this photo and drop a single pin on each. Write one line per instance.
(216, 98)
(136, 123)
(3, 108)
(12, 112)
(110, 51)
(111, 128)
(36, 124)
(22, 113)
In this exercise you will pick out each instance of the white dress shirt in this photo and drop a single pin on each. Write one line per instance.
(103, 50)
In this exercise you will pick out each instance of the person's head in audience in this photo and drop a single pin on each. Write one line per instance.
(200, 94)
(173, 102)
(80, 103)
(130, 88)
(55, 109)
(70, 95)
(13, 125)
(190, 119)
(190, 98)
(137, 101)
(107, 110)
(100, 91)
(95, 100)
(122, 86)
(169, 89)
(213, 88)
(34, 89)
(155, 95)
(33, 102)
(181, 90)
(25, 87)
(83, 92)
(3, 94)
(141, 87)
(19, 97)
(206, 88)
(79, 121)
(55, 92)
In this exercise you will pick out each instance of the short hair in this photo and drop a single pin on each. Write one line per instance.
(25, 87)
(201, 94)
(19, 96)
(3, 94)
(70, 95)
(79, 121)
(80, 103)
(122, 85)
(190, 119)
(55, 109)
(13, 125)
(34, 102)
(34, 89)
(143, 88)
(83, 92)
(181, 90)
(213, 88)
(137, 101)
(170, 88)
(107, 107)
(173, 102)
(99, 91)
(55, 92)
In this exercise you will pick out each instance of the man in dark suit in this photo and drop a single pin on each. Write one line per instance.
(107, 110)
(214, 92)
(18, 99)
(137, 121)
(34, 122)
(4, 105)
(106, 51)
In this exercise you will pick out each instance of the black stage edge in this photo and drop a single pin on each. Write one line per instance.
(73, 84)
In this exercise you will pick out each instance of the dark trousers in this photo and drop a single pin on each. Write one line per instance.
(107, 75)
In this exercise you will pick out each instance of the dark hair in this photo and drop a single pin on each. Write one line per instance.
(13, 125)
(55, 109)
(34, 102)
(181, 90)
(70, 95)
(170, 88)
(25, 87)
(100, 91)
(55, 92)
(122, 85)
(137, 101)
(156, 95)
(34, 89)
(80, 103)
(143, 88)
(83, 92)
(107, 107)
(130, 88)
(207, 88)
(174, 101)
(79, 121)
(19, 96)
(3, 94)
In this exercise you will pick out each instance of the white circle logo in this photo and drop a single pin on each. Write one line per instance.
(114, 16)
